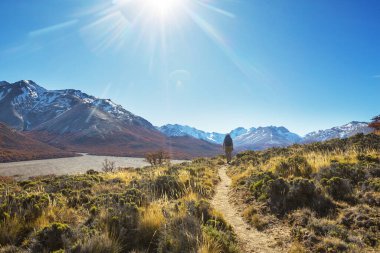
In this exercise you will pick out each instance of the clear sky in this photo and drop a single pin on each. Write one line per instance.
(211, 64)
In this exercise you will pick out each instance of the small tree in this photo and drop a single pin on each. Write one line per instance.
(157, 158)
(108, 166)
(375, 124)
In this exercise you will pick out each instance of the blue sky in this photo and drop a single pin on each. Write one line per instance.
(211, 64)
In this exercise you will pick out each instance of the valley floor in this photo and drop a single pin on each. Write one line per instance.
(63, 166)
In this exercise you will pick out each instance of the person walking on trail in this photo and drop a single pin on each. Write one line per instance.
(228, 147)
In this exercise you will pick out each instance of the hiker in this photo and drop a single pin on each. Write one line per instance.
(228, 146)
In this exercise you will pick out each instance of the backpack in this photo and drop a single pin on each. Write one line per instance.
(228, 141)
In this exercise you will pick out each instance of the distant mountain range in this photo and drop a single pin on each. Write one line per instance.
(75, 121)
(266, 137)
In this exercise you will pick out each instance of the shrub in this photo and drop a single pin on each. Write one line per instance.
(12, 249)
(109, 166)
(225, 239)
(331, 245)
(53, 237)
(352, 172)
(277, 191)
(368, 159)
(294, 166)
(259, 184)
(338, 188)
(181, 234)
(286, 196)
(157, 158)
(92, 172)
(121, 222)
(372, 184)
(169, 186)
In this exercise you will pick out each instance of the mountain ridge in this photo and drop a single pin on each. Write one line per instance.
(270, 136)
(73, 120)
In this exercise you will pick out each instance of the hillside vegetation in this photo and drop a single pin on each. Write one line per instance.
(153, 209)
(327, 193)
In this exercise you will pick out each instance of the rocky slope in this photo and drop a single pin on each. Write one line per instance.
(15, 146)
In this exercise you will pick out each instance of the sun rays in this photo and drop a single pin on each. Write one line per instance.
(146, 23)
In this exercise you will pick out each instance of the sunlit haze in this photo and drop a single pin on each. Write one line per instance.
(211, 64)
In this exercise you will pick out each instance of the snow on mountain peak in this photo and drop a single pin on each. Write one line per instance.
(34, 104)
(343, 131)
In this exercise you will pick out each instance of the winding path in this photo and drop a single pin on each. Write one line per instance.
(250, 240)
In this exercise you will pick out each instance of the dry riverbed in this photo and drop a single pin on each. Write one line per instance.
(71, 165)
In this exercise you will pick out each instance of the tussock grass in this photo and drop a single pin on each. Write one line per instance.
(327, 192)
(151, 209)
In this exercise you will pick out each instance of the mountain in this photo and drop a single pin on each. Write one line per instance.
(253, 138)
(266, 137)
(179, 130)
(344, 131)
(29, 105)
(76, 121)
(15, 146)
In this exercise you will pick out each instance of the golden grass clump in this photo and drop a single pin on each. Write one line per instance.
(209, 245)
(151, 219)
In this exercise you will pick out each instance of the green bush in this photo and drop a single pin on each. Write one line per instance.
(53, 237)
(355, 173)
(298, 193)
(368, 159)
(259, 184)
(168, 186)
(225, 238)
(338, 188)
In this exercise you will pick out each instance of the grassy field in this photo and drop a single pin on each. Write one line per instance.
(152, 209)
(327, 193)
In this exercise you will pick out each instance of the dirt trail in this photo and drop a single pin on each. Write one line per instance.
(250, 240)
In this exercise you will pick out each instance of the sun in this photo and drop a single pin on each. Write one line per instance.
(163, 8)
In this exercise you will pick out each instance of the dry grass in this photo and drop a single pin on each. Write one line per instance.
(209, 245)
(151, 220)
(125, 176)
(100, 244)
(297, 247)
(10, 230)
(59, 214)
(248, 212)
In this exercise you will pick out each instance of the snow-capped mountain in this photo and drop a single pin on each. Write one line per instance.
(180, 130)
(266, 137)
(253, 138)
(31, 105)
(76, 121)
(174, 130)
(344, 131)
